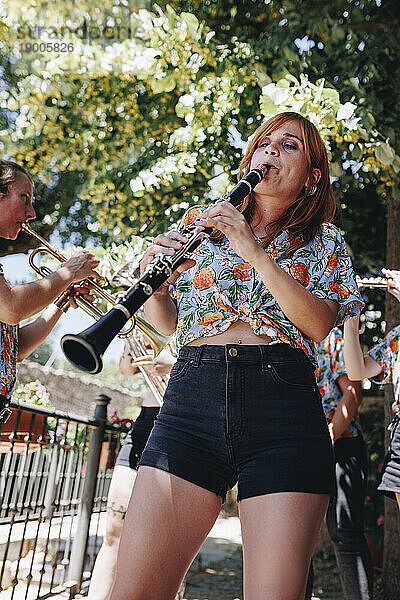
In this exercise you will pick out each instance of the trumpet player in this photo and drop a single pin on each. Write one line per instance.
(381, 364)
(125, 469)
(341, 399)
(22, 301)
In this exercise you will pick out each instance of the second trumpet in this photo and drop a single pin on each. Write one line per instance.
(157, 342)
(372, 282)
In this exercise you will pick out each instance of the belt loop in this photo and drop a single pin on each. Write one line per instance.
(197, 357)
(263, 357)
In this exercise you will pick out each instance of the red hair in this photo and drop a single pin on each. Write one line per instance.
(303, 219)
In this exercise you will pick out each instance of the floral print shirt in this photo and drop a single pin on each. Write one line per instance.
(387, 354)
(8, 355)
(222, 288)
(330, 367)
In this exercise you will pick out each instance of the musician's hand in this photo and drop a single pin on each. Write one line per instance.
(81, 265)
(393, 278)
(359, 282)
(166, 244)
(83, 289)
(226, 218)
(353, 323)
(158, 366)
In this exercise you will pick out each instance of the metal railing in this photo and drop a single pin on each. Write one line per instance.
(55, 472)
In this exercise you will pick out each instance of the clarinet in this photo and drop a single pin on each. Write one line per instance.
(85, 350)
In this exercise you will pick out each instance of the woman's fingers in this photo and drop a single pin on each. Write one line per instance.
(163, 244)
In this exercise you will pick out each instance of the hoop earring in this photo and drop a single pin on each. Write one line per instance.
(312, 190)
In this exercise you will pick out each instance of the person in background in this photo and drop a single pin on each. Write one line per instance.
(21, 301)
(341, 399)
(381, 364)
(125, 469)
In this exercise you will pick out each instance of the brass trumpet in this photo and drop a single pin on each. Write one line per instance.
(156, 340)
(372, 282)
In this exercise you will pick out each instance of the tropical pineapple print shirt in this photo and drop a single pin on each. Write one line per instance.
(222, 288)
(330, 367)
(8, 355)
(387, 354)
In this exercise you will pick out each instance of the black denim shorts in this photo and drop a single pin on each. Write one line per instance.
(137, 437)
(246, 414)
(389, 482)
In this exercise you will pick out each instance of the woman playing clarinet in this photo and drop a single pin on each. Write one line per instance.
(242, 404)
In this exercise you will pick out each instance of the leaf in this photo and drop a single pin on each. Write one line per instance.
(283, 83)
(262, 77)
(206, 262)
(183, 286)
(292, 78)
(192, 24)
(267, 106)
(182, 110)
(187, 322)
(357, 151)
(331, 94)
(335, 169)
(396, 164)
(233, 292)
(164, 84)
(384, 153)
(226, 274)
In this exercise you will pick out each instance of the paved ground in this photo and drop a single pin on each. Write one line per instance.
(216, 573)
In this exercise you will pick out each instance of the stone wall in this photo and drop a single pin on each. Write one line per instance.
(73, 392)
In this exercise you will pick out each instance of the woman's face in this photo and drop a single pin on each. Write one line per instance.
(283, 149)
(16, 207)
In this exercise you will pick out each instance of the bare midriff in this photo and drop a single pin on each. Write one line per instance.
(238, 333)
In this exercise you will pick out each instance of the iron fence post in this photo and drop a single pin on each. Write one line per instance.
(78, 552)
(52, 483)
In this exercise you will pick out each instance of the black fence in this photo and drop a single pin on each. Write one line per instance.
(55, 472)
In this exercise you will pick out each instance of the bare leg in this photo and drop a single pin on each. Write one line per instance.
(398, 498)
(106, 562)
(168, 518)
(279, 534)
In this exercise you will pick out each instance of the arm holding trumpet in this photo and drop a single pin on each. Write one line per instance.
(24, 300)
(358, 364)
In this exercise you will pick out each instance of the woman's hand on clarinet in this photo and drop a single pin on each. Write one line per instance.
(393, 278)
(224, 217)
(166, 244)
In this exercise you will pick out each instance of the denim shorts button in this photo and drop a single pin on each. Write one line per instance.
(233, 352)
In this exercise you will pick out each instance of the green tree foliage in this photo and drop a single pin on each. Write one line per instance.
(140, 124)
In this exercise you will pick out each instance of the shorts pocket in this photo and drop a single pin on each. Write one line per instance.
(179, 369)
(298, 375)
